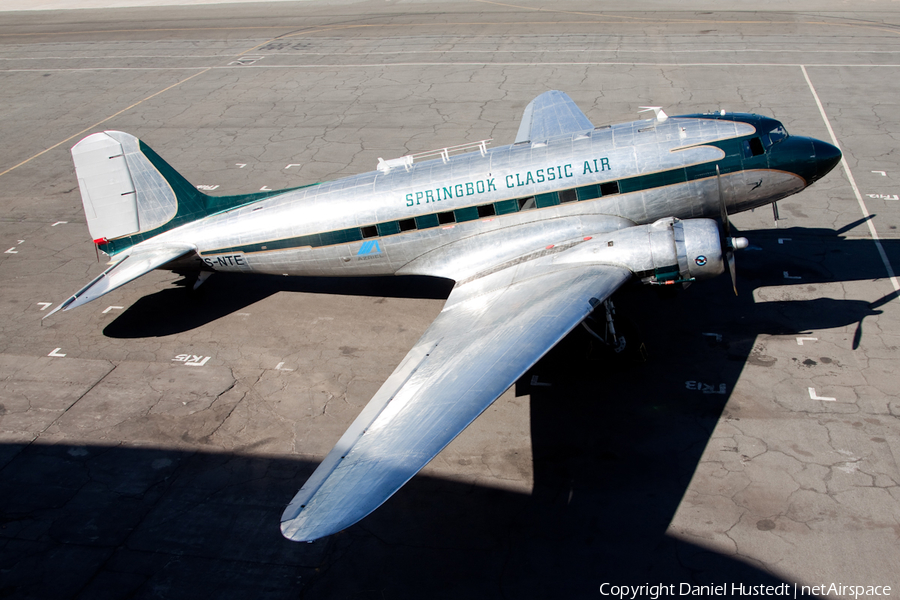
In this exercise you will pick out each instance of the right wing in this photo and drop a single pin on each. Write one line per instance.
(490, 332)
(550, 114)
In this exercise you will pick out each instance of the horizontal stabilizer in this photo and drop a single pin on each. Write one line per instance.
(140, 260)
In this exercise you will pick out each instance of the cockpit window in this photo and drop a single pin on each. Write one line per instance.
(774, 136)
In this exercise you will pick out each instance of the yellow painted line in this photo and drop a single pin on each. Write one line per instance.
(98, 123)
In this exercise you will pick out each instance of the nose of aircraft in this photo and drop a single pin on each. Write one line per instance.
(827, 156)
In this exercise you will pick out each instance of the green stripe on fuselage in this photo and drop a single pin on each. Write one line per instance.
(732, 162)
(192, 204)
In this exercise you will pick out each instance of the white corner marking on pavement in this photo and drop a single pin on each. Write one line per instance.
(812, 395)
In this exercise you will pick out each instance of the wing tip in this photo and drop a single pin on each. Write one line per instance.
(298, 529)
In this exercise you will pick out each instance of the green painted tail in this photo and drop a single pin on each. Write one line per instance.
(130, 194)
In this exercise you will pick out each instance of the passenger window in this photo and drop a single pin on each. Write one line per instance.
(526, 203)
(567, 196)
(446, 217)
(609, 188)
(486, 210)
(369, 231)
(407, 224)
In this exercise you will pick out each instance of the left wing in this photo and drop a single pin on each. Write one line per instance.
(490, 332)
(550, 114)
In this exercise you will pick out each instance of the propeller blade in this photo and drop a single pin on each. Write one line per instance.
(722, 208)
(731, 269)
(728, 243)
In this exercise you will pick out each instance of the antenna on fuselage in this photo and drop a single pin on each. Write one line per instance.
(661, 115)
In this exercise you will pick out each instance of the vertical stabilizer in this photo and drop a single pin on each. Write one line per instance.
(122, 191)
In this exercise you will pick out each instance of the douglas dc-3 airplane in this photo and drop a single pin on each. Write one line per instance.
(535, 235)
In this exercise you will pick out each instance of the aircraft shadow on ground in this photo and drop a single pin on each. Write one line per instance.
(615, 443)
(180, 309)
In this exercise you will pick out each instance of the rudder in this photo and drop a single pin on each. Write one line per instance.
(122, 191)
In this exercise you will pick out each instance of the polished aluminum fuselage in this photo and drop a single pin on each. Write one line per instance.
(252, 238)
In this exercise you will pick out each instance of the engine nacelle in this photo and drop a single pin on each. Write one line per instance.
(665, 252)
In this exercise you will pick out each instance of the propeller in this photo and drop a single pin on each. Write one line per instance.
(729, 244)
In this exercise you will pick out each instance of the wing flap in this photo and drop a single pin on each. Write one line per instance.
(489, 334)
(139, 261)
(551, 114)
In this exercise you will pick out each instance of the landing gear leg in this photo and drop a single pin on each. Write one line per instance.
(609, 337)
(201, 277)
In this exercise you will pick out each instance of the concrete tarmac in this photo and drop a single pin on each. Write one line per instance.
(150, 440)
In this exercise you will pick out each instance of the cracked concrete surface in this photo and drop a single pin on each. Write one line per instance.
(127, 473)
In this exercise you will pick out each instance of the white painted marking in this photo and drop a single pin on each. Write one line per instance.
(56, 353)
(192, 360)
(279, 367)
(45, 305)
(536, 383)
(883, 174)
(786, 276)
(265, 188)
(706, 388)
(812, 396)
(883, 196)
(859, 199)
(11, 251)
(59, 223)
(240, 165)
(718, 336)
(293, 165)
(109, 308)
(207, 188)
(246, 61)
(783, 240)
(801, 340)
(242, 314)
(21, 242)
